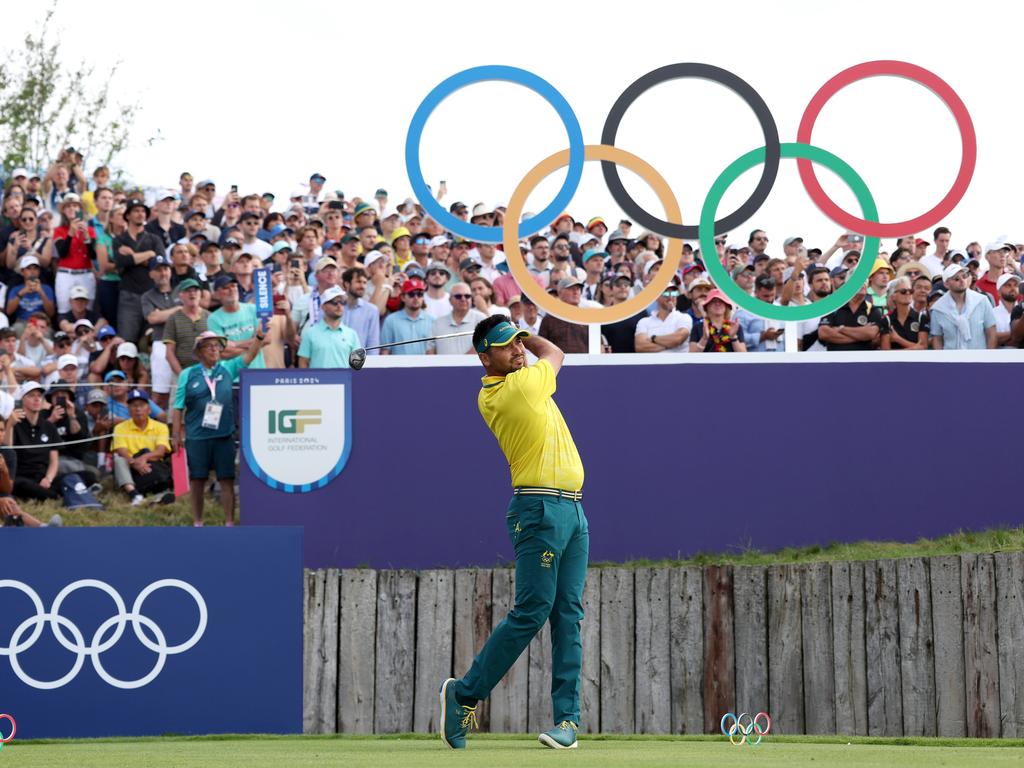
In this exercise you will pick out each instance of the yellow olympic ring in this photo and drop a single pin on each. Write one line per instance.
(556, 306)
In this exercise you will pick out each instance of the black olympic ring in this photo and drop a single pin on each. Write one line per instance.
(741, 88)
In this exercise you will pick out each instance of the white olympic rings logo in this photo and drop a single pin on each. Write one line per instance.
(98, 645)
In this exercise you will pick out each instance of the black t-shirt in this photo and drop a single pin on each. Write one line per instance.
(720, 341)
(63, 428)
(33, 462)
(135, 277)
(191, 274)
(621, 335)
(172, 235)
(844, 317)
(91, 315)
(916, 322)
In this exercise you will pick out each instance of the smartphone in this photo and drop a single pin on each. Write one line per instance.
(855, 238)
(296, 264)
(234, 189)
(17, 404)
(80, 215)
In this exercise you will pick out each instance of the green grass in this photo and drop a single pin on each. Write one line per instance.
(119, 512)
(412, 750)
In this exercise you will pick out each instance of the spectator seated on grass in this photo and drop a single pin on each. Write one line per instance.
(141, 449)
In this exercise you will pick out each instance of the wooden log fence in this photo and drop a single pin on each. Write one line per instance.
(911, 647)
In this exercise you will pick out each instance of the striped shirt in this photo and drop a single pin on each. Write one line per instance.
(181, 331)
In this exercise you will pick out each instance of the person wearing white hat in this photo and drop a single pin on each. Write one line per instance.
(78, 298)
(74, 246)
(328, 343)
(1008, 288)
(962, 318)
(32, 296)
(996, 254)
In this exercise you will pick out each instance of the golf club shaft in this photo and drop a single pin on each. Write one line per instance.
(418, 341)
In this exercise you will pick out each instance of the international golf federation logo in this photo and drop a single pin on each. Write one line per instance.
(109, 633)
(297, 430)
(290, 422)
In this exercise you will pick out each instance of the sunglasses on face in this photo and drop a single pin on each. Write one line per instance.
(670, 293)
(415, 294)
(462, 296)
(904, 291)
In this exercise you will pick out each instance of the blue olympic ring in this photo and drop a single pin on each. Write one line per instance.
(745, 733)
(477, 232)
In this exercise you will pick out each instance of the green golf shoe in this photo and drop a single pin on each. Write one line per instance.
(456, 719)
(562, 736)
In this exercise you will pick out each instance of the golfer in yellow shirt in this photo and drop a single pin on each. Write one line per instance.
(546, 524)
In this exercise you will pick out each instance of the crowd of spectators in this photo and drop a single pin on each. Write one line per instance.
(109, 295)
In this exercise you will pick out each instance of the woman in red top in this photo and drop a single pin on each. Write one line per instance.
(74, 244)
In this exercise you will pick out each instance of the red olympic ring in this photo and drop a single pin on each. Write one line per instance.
(14, 729)
(941, 89)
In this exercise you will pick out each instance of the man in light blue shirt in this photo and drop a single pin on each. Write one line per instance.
(762, 335)
(361, 316)
(328, 343)
(962, 319)
(235, 321)
(411, 322)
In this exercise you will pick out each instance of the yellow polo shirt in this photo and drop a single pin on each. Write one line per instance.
(530, 429)
(128, 436)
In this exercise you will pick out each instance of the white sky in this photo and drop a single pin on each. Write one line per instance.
(297, 87)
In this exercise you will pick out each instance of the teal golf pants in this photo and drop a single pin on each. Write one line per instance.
(552, 544)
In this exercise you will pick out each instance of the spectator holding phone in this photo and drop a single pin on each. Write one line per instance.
(74, 244)
(26, 237)
(133, 249)
(38, 461)
(31, 296)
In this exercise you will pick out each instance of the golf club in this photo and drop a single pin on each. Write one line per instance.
(357, 358)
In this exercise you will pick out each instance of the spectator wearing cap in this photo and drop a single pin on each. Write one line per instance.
(761, 334)
(204, 419)
(306, 312)
(1008, 287)
(104, 359)
(181, 328)
(743, 276)
(666, 329)
(67, 372)
(421, 249)
(128, 362)
(962, 319)
(791, 248)
(719, 331)
(940, 258)
(74, 245)
(32, 295)
(161, 225)
(85, 344)
(468, 269)
(236, 322)
(141, 448)
(133, 249)
(328, 343)
(760, 262)
(364, 215)
(349, 255)
(381, 282)
(38, 462)
(995, 255)
(899, 257)
(855, 326)
(621, 335)
(617, 244)
(436, 299)
(100, 424)
(597, 227)
(250, 224)
(400, 241)
(360, 315)
(593, 264)
(79, 309)
(197, 223)
(158, 304)
(34, 344)
(697, 293)
(242, 271)
(71, 424)
(569, 337)
(462, 317)
(483, 297)
(410, 322)
(878, 282)
(908, 327)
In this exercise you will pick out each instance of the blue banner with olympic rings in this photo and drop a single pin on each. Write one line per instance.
(148, 631)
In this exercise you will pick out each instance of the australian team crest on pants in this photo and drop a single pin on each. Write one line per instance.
(296, 428)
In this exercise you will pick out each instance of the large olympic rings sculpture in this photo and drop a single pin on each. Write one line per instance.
(750, 733)
(672, 227)
(103, 639)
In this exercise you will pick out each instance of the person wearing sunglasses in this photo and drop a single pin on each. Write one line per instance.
(962, 318)
(463, 317)
(666, 329)
(909, 328)
(410, 322)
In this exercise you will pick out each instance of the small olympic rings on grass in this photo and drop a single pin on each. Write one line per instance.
(744, 729)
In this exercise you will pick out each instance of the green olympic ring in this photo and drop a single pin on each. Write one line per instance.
(763, 309)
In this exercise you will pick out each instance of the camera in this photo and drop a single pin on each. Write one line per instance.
(13, 521)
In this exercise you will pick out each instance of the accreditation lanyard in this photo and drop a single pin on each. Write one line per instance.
(213, 410)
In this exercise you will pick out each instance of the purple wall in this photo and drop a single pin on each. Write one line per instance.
(679, 459)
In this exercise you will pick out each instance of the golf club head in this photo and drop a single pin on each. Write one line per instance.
(357, 358)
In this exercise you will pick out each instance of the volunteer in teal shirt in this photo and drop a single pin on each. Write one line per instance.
(328, 343)
(204, 403)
